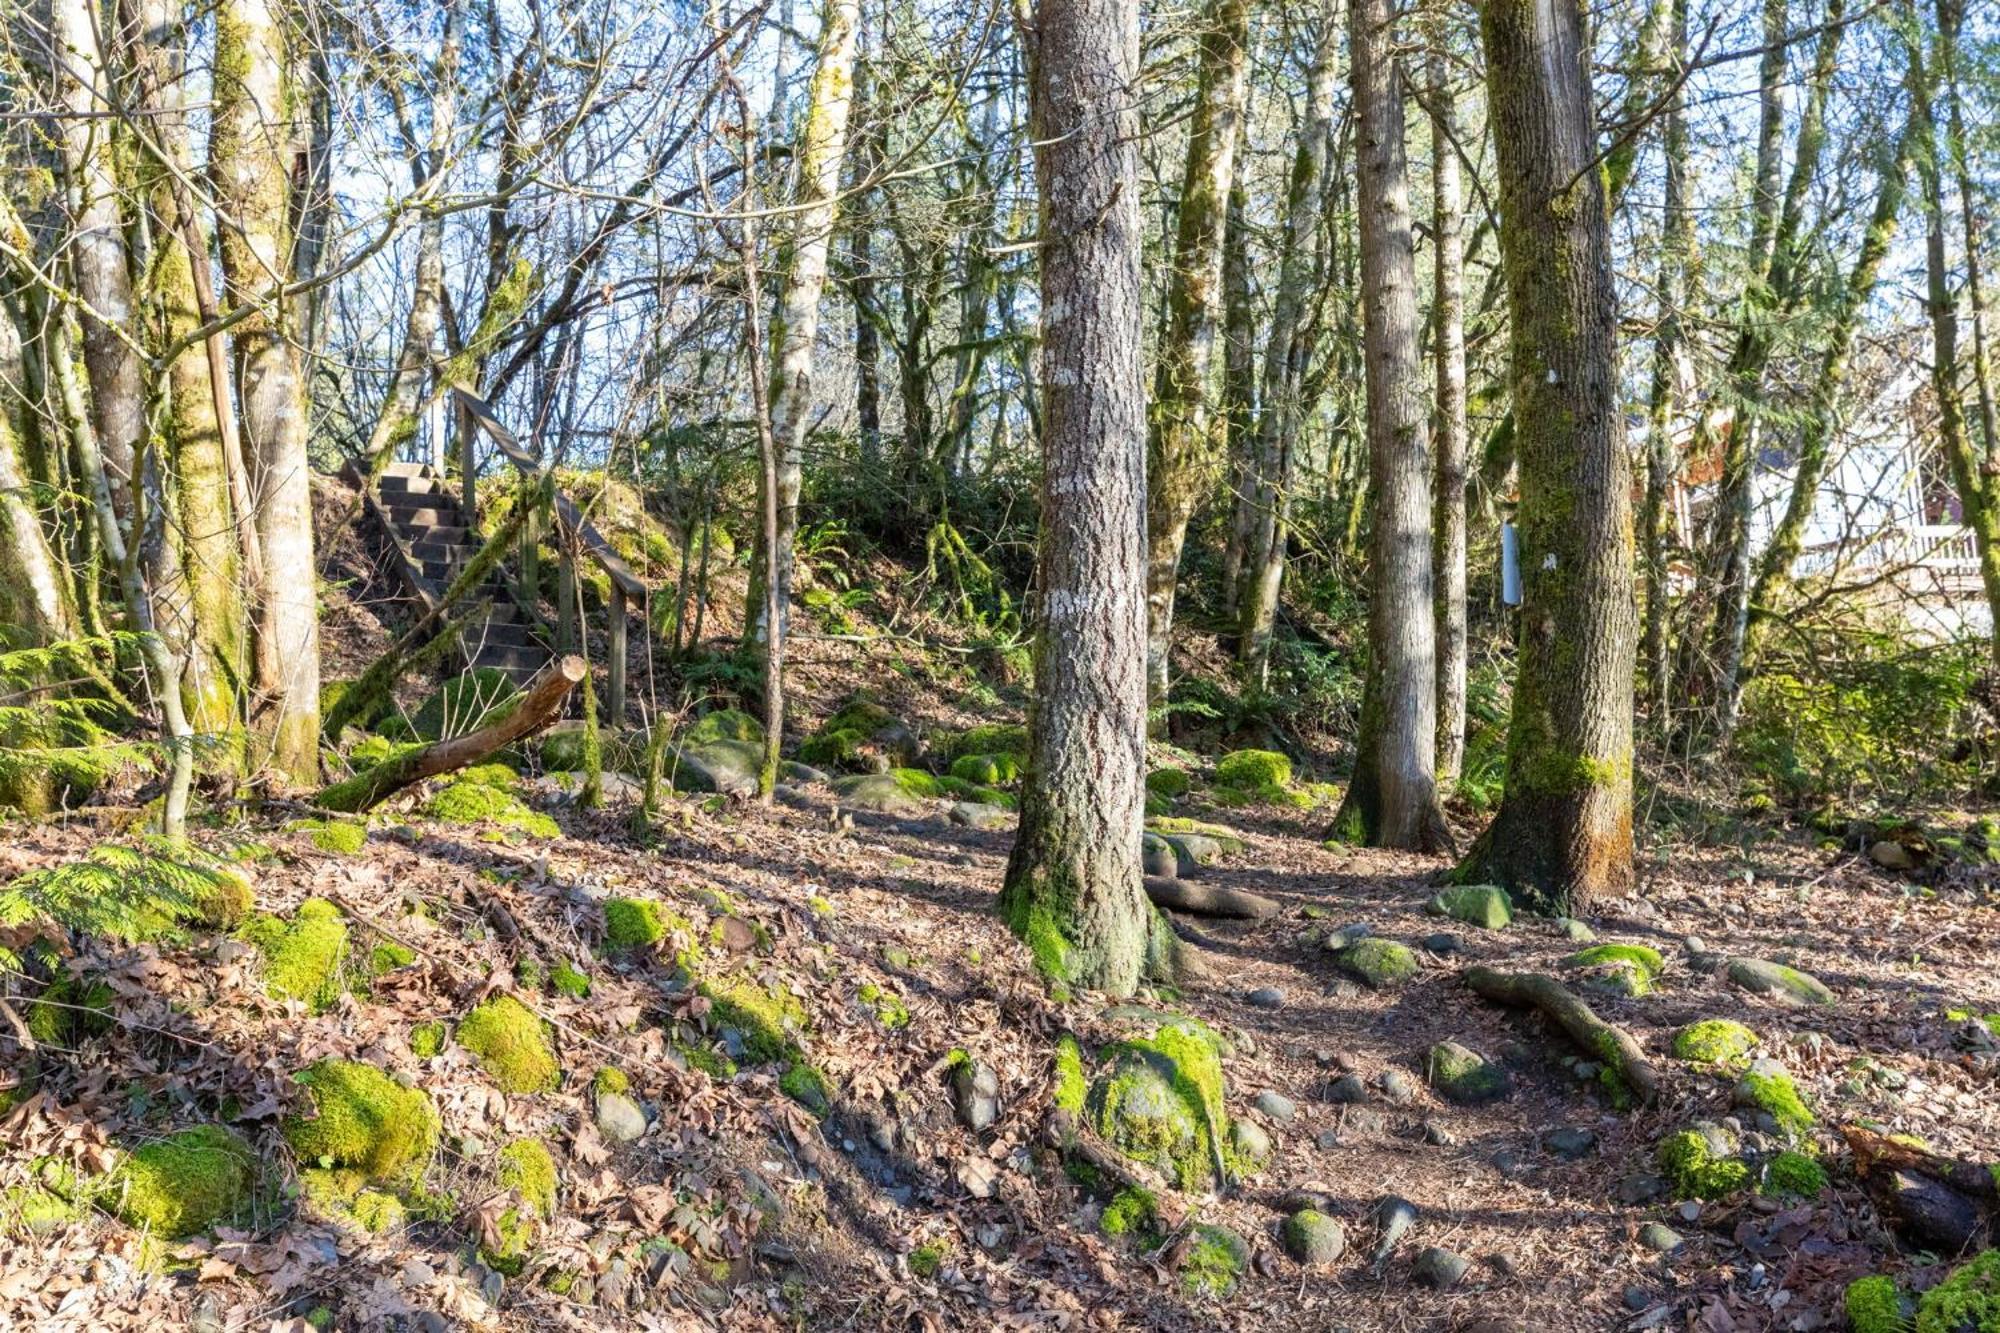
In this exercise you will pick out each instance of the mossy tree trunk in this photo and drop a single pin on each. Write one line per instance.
(1239, 358)
(1662, 458)
(1448, 352)
(1073, 881)
(795, 326)
(1181, 443)
(1564, 831)
(1392, 799)
(1289, 349)
(34, 594)
(253, 149)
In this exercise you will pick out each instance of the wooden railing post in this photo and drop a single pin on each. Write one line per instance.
(528, 569)
(568, 600)
(615, 651)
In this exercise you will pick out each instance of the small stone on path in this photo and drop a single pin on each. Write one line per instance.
(1570, 1142)
(1461, 1074)
(1440, 1268)
(1346, 1089)
(1312, 1238)
(619, 1118)
(1660, 1237)
(1576, 932)
(1779, 982)
(1640, 1187)
(1276, 1105)
(1444, 942)
(1397, 1086)
(1265, 997)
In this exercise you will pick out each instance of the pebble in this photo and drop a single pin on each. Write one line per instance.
(1397, 1086)
(1266, 997)
(1507, 1162)
(1637, 1298)
(1690, 1211)
(619, 1118)
(1640, 1187)
(1340, 938)
(1657, 1236)
(1503, 1264)
(1276, 1105)
(1346, 1089)
(417, 1273)
(1440, 1268)
(1570, 1142)
(1326, 1140)
(1444, 942)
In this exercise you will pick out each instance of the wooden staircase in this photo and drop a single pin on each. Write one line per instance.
(428, 528)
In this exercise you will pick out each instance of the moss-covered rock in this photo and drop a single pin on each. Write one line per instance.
(464, 704)
(481, 803)
(986, 770)
(1160, 1101)
(725, 724)
(1623, 969)
(1072, 1087)
(1230, 840)
(512, 1044)
(900, 791)
(1968, 1299)
(634, 923)
(1377, 963)
(1776, 980)
(343, 1196)
(1485, 905)
(1461, 1074)
(1873, 1305)
(1169, 783)
(723, 767)
(863, 735)
(805, 1085)
(357, 1116)
(527, 1169)
(1312, 1238)
(763, 1019)
(1214, 1263)
(1697, 1167)
(1794, 1175)
(1714, 1041)
(1249, 777)
(986, 738)
(184, 1183)
(1134, 1213)
(304, 958)
(1767, 1087)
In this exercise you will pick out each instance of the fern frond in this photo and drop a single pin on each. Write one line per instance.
(137, 892)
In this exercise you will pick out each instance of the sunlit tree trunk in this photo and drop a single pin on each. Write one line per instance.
(1289, 345)
(1239, 361)
(1072, 890)
(1563, 835)
(253, 153)
(1181, 442)
(795, 326)
(1448, 288)
(1950, 18)
(1662, 458)
(1392, 799)
(35, 601)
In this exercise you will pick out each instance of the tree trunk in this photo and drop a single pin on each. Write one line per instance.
(1072, 890)
(1448, 257)
(1288, 351)
(1239, 360)
(795, 327)
(1950, 16)
(1392, 799)
(1662, 458)
(1563, 835)
(1181, 442)
(34, 594)
(861, 283)
(253, 150)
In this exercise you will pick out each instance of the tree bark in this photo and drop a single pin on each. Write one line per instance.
(1239, 361)
(34, 594)
(1950, 17)
(1392, 799)
(1662, 458)
(253, 150)
(1563, 835)
(1448, 259)
(1072, 889)
(538, 705)
(795, 326)
(1181, 442)
(1289, 348)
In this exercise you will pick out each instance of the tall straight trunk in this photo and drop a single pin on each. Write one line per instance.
(1448, 259)
(1392, 800)
(205, 503)
(979, 280)
(1950, 17)
(1072, 890)
(795, 327)
(1181, 443)
(1976, 487)
(861, 281)
(1239, 359)
(1563, 835)
(1662, 458)
(1774, 567)
(252, 153)
(35, 598)
(1288, 351)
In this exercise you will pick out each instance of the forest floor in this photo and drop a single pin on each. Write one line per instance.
(776, 1219)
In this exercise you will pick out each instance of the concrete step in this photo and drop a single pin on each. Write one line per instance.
(395, 486)
(422, 512)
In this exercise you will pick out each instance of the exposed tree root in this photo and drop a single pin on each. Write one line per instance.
(1179, 895)
(1604, 1041)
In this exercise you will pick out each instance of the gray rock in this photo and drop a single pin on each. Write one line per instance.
(1444, 942)
(1346, 1089)
(1251, 1142)
(1690, 1211)
(1365, 1120)
(1157, 857)
(1437, 1135)
(1461, 1074)
(619, 1118)
(1576, 932)
(1570, 1142)
(1399, 1088)
(1660, 1237)
(1639, 1187)
(1507, 1162)
(725, 766)
(1299, 1200)
(1785, 984)
(1440, 1268)
(1327, 1140)
(879, 792)
(1276, 1105)
(1342, 936)
(1637, 1298)
(1312, 1238)
(1484, 905)
(1265, 997)
(979, 815)
(1892, 855)
(1194, 849)
(975, 1094)
(794, 771)
(1395, 1216)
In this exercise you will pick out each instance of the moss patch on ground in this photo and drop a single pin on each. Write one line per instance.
(185, 1183)
(1250, 777)
(1714, 1041)
(1776, 1094)
(1214, 1262)
(303, 957)
(478, 803)
(1968, 1299)
(512, 1044)
(529, 1171)
(1695, 1171)
(360, 1117)
(1133, 1212)
(1794, 1175)
(344, 1196)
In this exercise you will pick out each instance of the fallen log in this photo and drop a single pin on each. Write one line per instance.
(532, 710)
(1604, 1041)
(1179, 895)
(1948, 1204)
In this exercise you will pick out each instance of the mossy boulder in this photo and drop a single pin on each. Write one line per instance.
(1249, 777)
(529, 1172)
(1169, 783)
(723, 766)
(182, 1184)
(464, 704)
(1485, 905)
(898, 792)
(986, 770)
(1461, 1074)
(1312, 1238)
(725, 724)
(634, 923)
(1160, 1101)
(1767, 1087)
(1777, 981)
(1699, 1163)
(1377, 963)
(1214, 1261)
(357, 1116)
(304, 958)
(862, 736)
(1227, 838)
(513, 1045)
(1714, 1041)
(764, 1020)
(1133, 1212)
(1623, 969)
(986, 738)
(477, 802)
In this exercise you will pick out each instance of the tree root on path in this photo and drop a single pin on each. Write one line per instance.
(1603, 1040)
(1179, 895)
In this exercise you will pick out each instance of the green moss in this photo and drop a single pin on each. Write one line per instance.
(1071, 1086)
(1779, 1096)
(916, 782)
(706, 1060)
(389, 956)
(498, 776)
(182, 1184)
(1377, 963)
(427, 1039)
(1968, 1299)
(569, 980)
(928, 1258)
(806, 1086)
(1168, 783)
(989, 738)
(633, 923)
(1214, 1262)
(764, 1018)
(343, 1195)
(464, 802)
(1162, 1103)
(1133, 1212)
(1694, 1171)
(1253, 769)
(1873, 1306)
(1714, 1041)
(512, 1044)
(832, 749)
(360, 1117)
(889, 1008)
(303, 957)
(31, 1210)
(726, 724)
(1485, 905)
(986, 770)
(1794, 1174)
(1035, 926)
(339, 836)
(527, 1169)
(1231, 841)
(68, 1010)
(1647, 960)
(611, 1079)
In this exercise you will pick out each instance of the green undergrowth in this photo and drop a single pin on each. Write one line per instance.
(1256, 777)
(344, 1196)
(527, 1169)
(475, 802)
